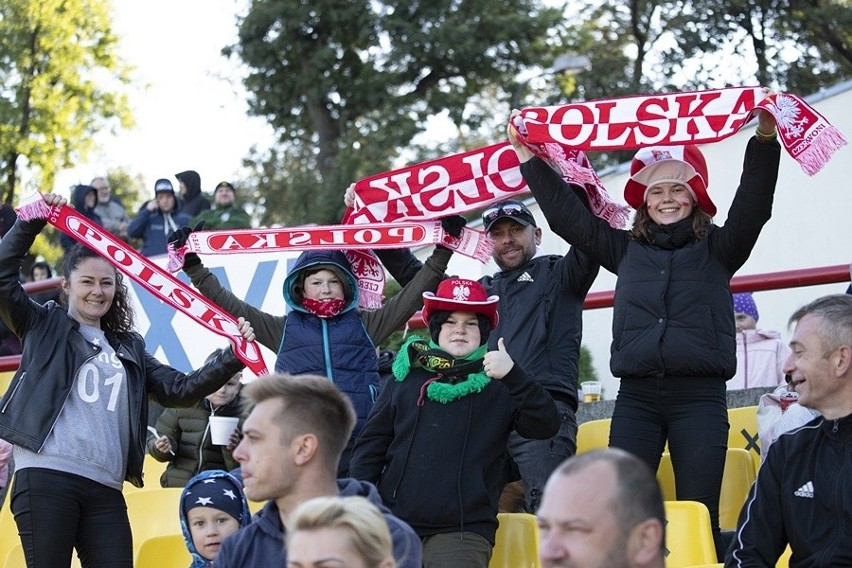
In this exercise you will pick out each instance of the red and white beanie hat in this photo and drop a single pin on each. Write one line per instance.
(460, 295)
(673, 164)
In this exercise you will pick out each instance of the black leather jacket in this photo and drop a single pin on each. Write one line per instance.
(54, 350)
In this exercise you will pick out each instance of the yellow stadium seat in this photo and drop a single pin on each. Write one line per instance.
(689, 539)
(163, 552)
(666, 479)
(516, 544)
(153, 512)
(15, 557)
(5, 381)
(593, 435)
(743, 432)
(8, 531)
(784, 561)
(152, 470)
(736, 482)
(255, 506)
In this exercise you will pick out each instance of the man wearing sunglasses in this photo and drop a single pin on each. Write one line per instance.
(541, 322)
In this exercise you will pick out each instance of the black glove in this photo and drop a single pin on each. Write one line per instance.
(453, 225)
(179, 237)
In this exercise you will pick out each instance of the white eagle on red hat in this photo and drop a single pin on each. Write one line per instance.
(461, 292)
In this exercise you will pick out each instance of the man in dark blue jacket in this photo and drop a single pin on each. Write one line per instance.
(292, 442)
(801, 497)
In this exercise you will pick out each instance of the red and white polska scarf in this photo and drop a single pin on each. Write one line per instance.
(150, 276)
(697, 117)
(351, 239)
(468, 181)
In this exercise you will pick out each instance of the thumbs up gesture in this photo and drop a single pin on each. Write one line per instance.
(498, 363)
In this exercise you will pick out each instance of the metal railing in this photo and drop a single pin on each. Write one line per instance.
(595, 300)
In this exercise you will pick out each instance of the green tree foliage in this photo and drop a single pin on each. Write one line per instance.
(646, 46)
(59, 83)
(587, 371)
(128, 188)
(348, 85)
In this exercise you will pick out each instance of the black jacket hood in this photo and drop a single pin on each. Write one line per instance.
(192, 181)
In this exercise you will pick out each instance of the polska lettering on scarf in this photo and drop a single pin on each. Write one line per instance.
(331, 237)
(633, 122)
(678, 118)
(452, 185)
(471, 243)
(150, 276)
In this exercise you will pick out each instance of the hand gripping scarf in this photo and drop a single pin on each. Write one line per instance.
(150, 276)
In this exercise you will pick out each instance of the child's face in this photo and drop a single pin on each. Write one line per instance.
(323, 285)
(744, 321)
(208, 528)
(459, 335)
(227, 392)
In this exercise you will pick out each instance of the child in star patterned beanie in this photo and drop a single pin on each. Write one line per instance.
(212, 507)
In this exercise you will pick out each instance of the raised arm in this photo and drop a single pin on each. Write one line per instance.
(395, 312)
(567, 213)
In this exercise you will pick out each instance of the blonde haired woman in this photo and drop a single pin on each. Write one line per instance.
(345, 531)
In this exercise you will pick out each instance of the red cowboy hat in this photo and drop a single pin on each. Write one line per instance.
(460, 295)
(676, 164)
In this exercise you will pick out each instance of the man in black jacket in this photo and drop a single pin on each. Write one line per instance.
(541, 319)
(802, 496)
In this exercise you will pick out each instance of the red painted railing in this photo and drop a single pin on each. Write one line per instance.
(595, 300)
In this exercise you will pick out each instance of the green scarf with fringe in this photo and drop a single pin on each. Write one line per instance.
(457, 376)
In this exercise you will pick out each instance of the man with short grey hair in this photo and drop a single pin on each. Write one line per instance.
(802, 495)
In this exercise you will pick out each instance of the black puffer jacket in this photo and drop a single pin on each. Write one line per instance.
(439, 466)
(673, 312)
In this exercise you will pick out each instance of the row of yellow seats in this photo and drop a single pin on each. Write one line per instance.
(159, 543)
(741, 461)
(153, 513)
(689, 539)
(594, 434)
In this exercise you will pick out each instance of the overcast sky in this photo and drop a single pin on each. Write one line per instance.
(187, 99)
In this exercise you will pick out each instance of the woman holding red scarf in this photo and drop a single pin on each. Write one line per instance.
(673, 322)
(77, 406)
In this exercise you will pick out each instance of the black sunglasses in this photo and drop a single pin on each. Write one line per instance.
(504, 210)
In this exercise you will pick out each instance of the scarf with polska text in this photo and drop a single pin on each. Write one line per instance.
(696, 117)
(469, 181)
(350, 239)
(154, 279)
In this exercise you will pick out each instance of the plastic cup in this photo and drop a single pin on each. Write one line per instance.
(591, 391)
(221, 428)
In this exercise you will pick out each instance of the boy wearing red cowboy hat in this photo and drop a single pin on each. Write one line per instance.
(673, 344)
(435, 441)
